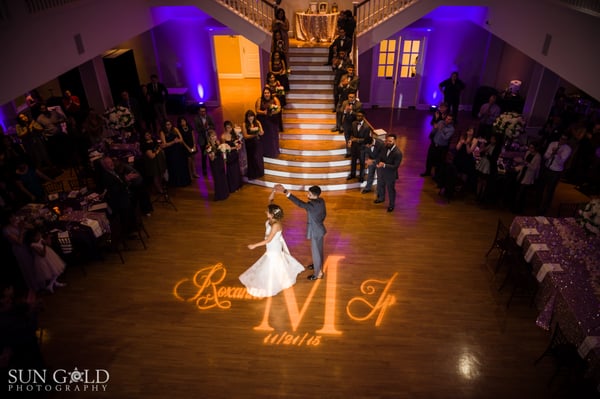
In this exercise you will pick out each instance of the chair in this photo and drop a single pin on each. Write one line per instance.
(520, 273)
(500, 241)
(70, 254)
(569, 209)
(565, 355)
(74, 184)
(53, 187)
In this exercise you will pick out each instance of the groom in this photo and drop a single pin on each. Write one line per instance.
(316, 213)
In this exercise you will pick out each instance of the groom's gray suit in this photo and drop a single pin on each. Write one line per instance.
(316, 213)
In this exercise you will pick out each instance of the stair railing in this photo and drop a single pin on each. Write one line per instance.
(369, 13)
(259, 12)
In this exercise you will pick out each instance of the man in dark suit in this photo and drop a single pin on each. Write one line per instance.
(374, 147)
(388, 164)
(316, 213)
(360, 132)
(347, 116)
(342, 42)
(203, 123)
(157, 96)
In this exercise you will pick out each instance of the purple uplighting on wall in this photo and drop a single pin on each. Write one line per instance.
(184, 48)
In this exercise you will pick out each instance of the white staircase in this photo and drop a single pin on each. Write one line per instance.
(311, 154)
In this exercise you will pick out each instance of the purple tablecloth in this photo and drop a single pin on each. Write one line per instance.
(571, 296)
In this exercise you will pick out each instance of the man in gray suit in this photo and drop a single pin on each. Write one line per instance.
(316, 213)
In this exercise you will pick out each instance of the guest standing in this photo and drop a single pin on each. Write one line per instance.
(527, 176)
(189, 141)
(203, 122)
(155, 162)
(389, 163)
(452, 87)
(157, 97)
(229, 137)
(487, 116)
(252, 131)
(216, 156)
(555, 157)
(267, 109)
(177, 156)
(440, 138)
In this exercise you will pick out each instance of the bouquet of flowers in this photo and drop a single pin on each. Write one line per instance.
(273, 109)
(510, 124)
(118, 118)
(589, 217)
(225, 149)
(279, 90)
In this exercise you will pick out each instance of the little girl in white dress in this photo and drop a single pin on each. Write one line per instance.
(47, 264)
(276, 270)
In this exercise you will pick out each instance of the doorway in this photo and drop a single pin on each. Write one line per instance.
(398, 66)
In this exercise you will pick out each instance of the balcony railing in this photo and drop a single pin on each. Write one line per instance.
(591, 7)
(370, 13)
(259, 12)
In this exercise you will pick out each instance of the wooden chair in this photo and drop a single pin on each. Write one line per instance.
(500, 239)
(53, 187)
(565, 355)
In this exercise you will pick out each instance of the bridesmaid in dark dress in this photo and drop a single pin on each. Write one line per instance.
(267, 109)
(189, 141)
(216, 159)
(229, 137)
(155, 163)
(279, 68)
(176, 153)
(252, 131)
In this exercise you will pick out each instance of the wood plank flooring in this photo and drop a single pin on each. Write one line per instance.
(409, 307)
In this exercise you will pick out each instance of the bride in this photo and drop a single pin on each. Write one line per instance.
(276, 270)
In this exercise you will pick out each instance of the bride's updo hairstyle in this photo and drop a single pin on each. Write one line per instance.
(276, 211)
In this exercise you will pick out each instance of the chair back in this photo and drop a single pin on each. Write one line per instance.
(53, 187)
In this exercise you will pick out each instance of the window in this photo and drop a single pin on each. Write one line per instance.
(410, 58)
(387, 53)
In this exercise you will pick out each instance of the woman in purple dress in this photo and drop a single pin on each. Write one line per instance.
(253, 132)
(217, 155)
(267, 109)
(229, 137)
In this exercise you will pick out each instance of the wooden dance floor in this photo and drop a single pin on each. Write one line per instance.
(409, 307)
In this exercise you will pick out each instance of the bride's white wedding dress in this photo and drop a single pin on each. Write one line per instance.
(275, 271)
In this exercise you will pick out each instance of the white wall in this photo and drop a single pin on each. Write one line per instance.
(38, 48)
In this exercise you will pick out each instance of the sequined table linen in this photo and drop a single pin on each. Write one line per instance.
(315, 27)
(569, 292)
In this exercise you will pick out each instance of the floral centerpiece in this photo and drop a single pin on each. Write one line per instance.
(589, 216)
(510, 124)
(118, 118)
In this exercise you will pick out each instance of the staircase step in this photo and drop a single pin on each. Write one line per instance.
(320, 77)
(308, 125)
(309, 161)
(311, 88)
(317, 135)
(312, 145)
(321, 105)
(293, 60)
(313, 153)
(303, 184)
(310, 68)
(308, 50)
(317, 94)
(301, 172)
(313, 114)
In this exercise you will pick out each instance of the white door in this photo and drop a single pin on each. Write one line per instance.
(397, 66)
(249, 56)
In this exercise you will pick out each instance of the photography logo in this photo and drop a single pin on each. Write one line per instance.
(59, 380)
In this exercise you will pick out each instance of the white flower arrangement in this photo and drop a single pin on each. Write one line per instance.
(510, 124)
(279, 90)
(118, 118)
(225, 149)
(589, 216)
